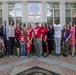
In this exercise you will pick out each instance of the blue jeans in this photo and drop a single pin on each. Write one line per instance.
(23, 50)
(58, 45)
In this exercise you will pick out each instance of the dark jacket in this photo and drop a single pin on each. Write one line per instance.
(4, 36)
(1, 32)
(50, 34)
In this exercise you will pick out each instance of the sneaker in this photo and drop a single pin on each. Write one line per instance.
(45, 55)
(38, 55)
(65, 55)
(50, 55)
(10, 56)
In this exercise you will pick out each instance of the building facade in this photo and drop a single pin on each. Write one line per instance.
(31, 11)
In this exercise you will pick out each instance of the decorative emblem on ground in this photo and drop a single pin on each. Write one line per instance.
(37, 71)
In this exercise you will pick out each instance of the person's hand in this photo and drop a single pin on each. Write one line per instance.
(40, 39)
(15, 40)
(7, 39)
(30, 41)
(66, 39)
(44, 40)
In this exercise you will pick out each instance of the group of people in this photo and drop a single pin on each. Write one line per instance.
(39, 41)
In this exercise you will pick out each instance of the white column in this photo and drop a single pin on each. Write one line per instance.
(24, 12)
(5, 11)
(44, 12)
(62, 13)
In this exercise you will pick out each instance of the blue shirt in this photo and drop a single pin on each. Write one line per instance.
(67, 34)
(4, 29)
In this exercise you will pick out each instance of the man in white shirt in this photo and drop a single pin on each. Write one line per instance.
(57, 35)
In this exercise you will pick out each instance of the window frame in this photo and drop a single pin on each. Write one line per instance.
(53, 10)
(15, 9)
(34, 14)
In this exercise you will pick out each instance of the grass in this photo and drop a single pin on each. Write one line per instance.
(53, 52)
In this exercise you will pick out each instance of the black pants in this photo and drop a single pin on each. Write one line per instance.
(50, 45)
(33, 49)
(5, 43)
(10, 45)
(44, 46)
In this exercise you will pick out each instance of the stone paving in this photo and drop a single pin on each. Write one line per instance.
(66, 64)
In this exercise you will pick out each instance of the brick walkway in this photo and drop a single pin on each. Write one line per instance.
(36, 62)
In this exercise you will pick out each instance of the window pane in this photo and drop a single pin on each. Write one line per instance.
(58, 18)
(50, 20)
(0, 5)
(37, 8)
(56, 13)
(56, 5)
(68, 16)
(11, 13)
(68, 13)
(49, 5)
(18, 5)
(73, 13)
(18, 20)
(0, 21)
(34, 8)
(30, 8)
(15, 5)
(18, 13)
(74, 21)
(37, 18)
(53, 5)
(68, 19)
(0, 13)
(31, 18)
(69, 5)
(11, 18)
(49, 13)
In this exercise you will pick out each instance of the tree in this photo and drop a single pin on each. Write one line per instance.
(74, 6)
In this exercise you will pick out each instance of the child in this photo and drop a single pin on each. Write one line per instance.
(28, 46)
(22, 40)
(1, 46)
(66, 43)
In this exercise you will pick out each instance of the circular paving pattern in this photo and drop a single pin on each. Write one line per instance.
(37, 71)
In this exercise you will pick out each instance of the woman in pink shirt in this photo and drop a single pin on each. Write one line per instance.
(72, 38)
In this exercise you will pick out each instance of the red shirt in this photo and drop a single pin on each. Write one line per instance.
(44, 31)
(37, 31)
(28, 45)
(22, 38)
(29, 32)
(17, 32)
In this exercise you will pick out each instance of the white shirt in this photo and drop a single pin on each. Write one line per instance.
(10, 31)
(57, 29)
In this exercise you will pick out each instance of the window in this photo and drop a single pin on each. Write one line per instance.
(0, 13)
(15, 12)
(70, 13)
(53, 12)
(34, 11)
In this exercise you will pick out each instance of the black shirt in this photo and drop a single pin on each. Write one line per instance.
(0, 32)
(50, 34)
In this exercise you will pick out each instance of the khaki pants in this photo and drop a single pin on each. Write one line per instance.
(38, 44)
